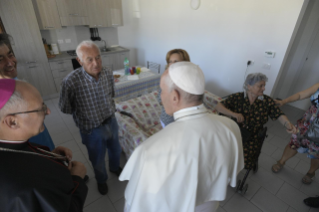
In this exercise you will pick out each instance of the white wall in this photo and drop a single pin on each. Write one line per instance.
(220, 36)
(78, 34)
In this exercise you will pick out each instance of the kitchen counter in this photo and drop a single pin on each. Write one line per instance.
(65, 56)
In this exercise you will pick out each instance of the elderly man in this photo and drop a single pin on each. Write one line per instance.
(32, 178)
(8, 70)
(188, 165)
(87, 94)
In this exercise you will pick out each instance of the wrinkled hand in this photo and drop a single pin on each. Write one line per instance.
(77, 168)
(240, 118)
(279, 103)
(63, 151)
(291, 128)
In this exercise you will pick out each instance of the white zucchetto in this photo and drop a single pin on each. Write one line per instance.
(188, 76)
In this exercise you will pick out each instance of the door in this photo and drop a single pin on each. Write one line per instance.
(309, 74)
(47, 14)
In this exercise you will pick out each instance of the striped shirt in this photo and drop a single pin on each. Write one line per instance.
(89, 101)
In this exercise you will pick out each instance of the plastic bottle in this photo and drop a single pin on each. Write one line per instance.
(127, 66)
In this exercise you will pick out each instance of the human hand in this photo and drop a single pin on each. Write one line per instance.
(291, 128)
(77, 168)
(240, 118)
(63, 151)
(279, 103)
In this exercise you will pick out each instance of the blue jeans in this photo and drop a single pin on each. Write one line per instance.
(97, 141)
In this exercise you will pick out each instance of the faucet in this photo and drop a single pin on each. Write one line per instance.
(104, 49)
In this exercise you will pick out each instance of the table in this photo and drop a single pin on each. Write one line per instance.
(127, 89)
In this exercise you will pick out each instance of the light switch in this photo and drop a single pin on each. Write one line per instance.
(266, 66)
(60, 41)
(67, 40)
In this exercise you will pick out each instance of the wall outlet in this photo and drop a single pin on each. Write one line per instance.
(266, 66)
(60, 41)
(67, 40)
(270, 54)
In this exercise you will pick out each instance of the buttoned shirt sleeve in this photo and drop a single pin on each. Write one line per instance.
(67, 95)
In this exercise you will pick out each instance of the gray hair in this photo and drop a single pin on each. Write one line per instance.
(16, 103)
(86, 43)
(253, 78)
(187, 97)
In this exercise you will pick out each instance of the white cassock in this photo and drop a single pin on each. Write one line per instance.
(188, 163)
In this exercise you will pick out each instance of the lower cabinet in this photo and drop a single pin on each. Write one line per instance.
(60, 69)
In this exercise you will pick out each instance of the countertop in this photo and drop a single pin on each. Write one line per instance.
(66, 56)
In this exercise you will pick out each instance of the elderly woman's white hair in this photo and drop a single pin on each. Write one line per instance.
(253, 78)
(86, 43)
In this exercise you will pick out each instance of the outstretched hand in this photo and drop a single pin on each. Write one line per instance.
(291, 128)
(279, 103)
(239, 117)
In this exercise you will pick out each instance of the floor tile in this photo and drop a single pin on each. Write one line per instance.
(267, 180)
(263, 198)
(116, 189)
(279, 142)
(291, 176)
(101, 205)
(302, 167)
(119, 205)
(220, 209)
(268, 148)
(61, 137)
(78, 156)
(72, 145)
(93, 193)
(293, 197)
(291, 210)
(266, 161)
(239, 203)
(229, 195)
(253, 187)
(292, 162)
(311, 189)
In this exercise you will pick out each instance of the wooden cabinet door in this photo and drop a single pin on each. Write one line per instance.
(108, 60)
(98, 13)
(72, 8)
(72, 12)
(20, 22)
(115, 12)
(47, 14)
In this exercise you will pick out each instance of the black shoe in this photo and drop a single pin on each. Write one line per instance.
(86, 179)
(312, 201)
(118, 172)
(103, 189)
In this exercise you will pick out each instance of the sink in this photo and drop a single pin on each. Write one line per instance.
(105, 50)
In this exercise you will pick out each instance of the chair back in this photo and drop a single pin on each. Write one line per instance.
(155, 67)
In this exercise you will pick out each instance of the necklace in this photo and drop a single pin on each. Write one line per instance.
(54, 156)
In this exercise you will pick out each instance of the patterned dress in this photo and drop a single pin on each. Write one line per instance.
(298, 142)
(256, 115)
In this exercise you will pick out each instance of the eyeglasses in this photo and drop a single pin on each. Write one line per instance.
(43, 109)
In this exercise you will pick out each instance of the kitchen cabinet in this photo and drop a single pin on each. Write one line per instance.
(98, 13)
(60, 69)
(119, 60)
(109, 60)
(20, 22)
(115, 9)
(47, 14)
(72, 12)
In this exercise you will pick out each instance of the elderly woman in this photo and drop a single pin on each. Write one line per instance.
(173, 56)
(251, 109)
(297, 142)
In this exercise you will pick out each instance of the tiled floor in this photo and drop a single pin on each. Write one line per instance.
(282, 192)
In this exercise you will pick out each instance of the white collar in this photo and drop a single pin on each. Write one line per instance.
(181, 112)
(12, 142)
